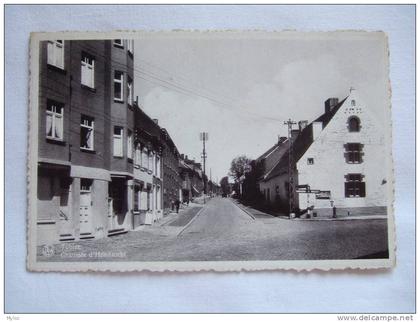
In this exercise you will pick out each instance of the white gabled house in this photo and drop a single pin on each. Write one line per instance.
(339, 161)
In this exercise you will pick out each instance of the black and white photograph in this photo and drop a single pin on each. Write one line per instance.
(223, 150)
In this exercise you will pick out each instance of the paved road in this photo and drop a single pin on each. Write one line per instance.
(222, 231)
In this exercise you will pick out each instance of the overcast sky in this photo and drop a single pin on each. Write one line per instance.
(240, 88)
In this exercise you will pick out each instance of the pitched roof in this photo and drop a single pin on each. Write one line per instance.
(302, 143)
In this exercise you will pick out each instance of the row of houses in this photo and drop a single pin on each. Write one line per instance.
(334, 165)
(104, 166)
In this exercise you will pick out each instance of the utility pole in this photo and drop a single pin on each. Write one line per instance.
(204, 136)
(290, 124)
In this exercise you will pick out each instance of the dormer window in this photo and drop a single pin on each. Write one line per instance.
(354, 124)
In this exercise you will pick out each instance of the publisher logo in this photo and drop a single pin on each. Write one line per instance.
(48, 250)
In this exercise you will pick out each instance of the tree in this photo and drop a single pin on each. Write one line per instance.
(224, 184)
(239, 166)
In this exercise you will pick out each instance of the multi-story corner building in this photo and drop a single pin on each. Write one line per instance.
(86, 157)
(172, 183)
(335, 163)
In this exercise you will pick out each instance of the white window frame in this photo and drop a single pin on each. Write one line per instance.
(119, 43)
(129, 91)
(118, 152)
(121, 82)
(130, 46)
(55, 53)
(137, 156)
(151, 162)
(129, 144)
(145, 158)
(87, 69)
(56, 119)
(88, 123)
(158, 166)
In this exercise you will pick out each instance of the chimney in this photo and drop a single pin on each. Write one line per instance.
(182, 156)
(330, 103)
(156, 121)
(302, 125)
(186, 157)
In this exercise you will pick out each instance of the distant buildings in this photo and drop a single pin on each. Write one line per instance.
(337, 161)
(171, 172)
(192, 177)
(104, 166)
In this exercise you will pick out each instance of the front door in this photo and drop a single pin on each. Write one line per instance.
(85, 208)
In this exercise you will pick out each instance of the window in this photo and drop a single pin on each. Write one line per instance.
(354, 124)
(130, 46)
(88, 71)
(55, 53)
(353, 152)
(86, 133)
(129, 144)
(85, 185)
(54, 125)
(144, 159)
(137, 159)
(150, 164)
(118, 141)
(118, 43)
(354, 186)
(310, 161)
(118, 85)
(129, 91)
(157, 167)
(353, 102)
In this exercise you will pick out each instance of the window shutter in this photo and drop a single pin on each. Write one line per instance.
(362, 189)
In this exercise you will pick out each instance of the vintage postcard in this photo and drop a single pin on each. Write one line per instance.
(225, 151)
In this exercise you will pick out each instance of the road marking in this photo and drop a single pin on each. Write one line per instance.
(190, 222)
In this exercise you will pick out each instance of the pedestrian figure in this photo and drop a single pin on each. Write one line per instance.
(334, 212)
(177, 203)
(172, 205)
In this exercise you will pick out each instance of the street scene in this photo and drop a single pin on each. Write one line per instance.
(221, 230)
(148, 154)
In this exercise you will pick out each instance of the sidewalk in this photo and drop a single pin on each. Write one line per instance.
(257, 214)
(185, 215)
